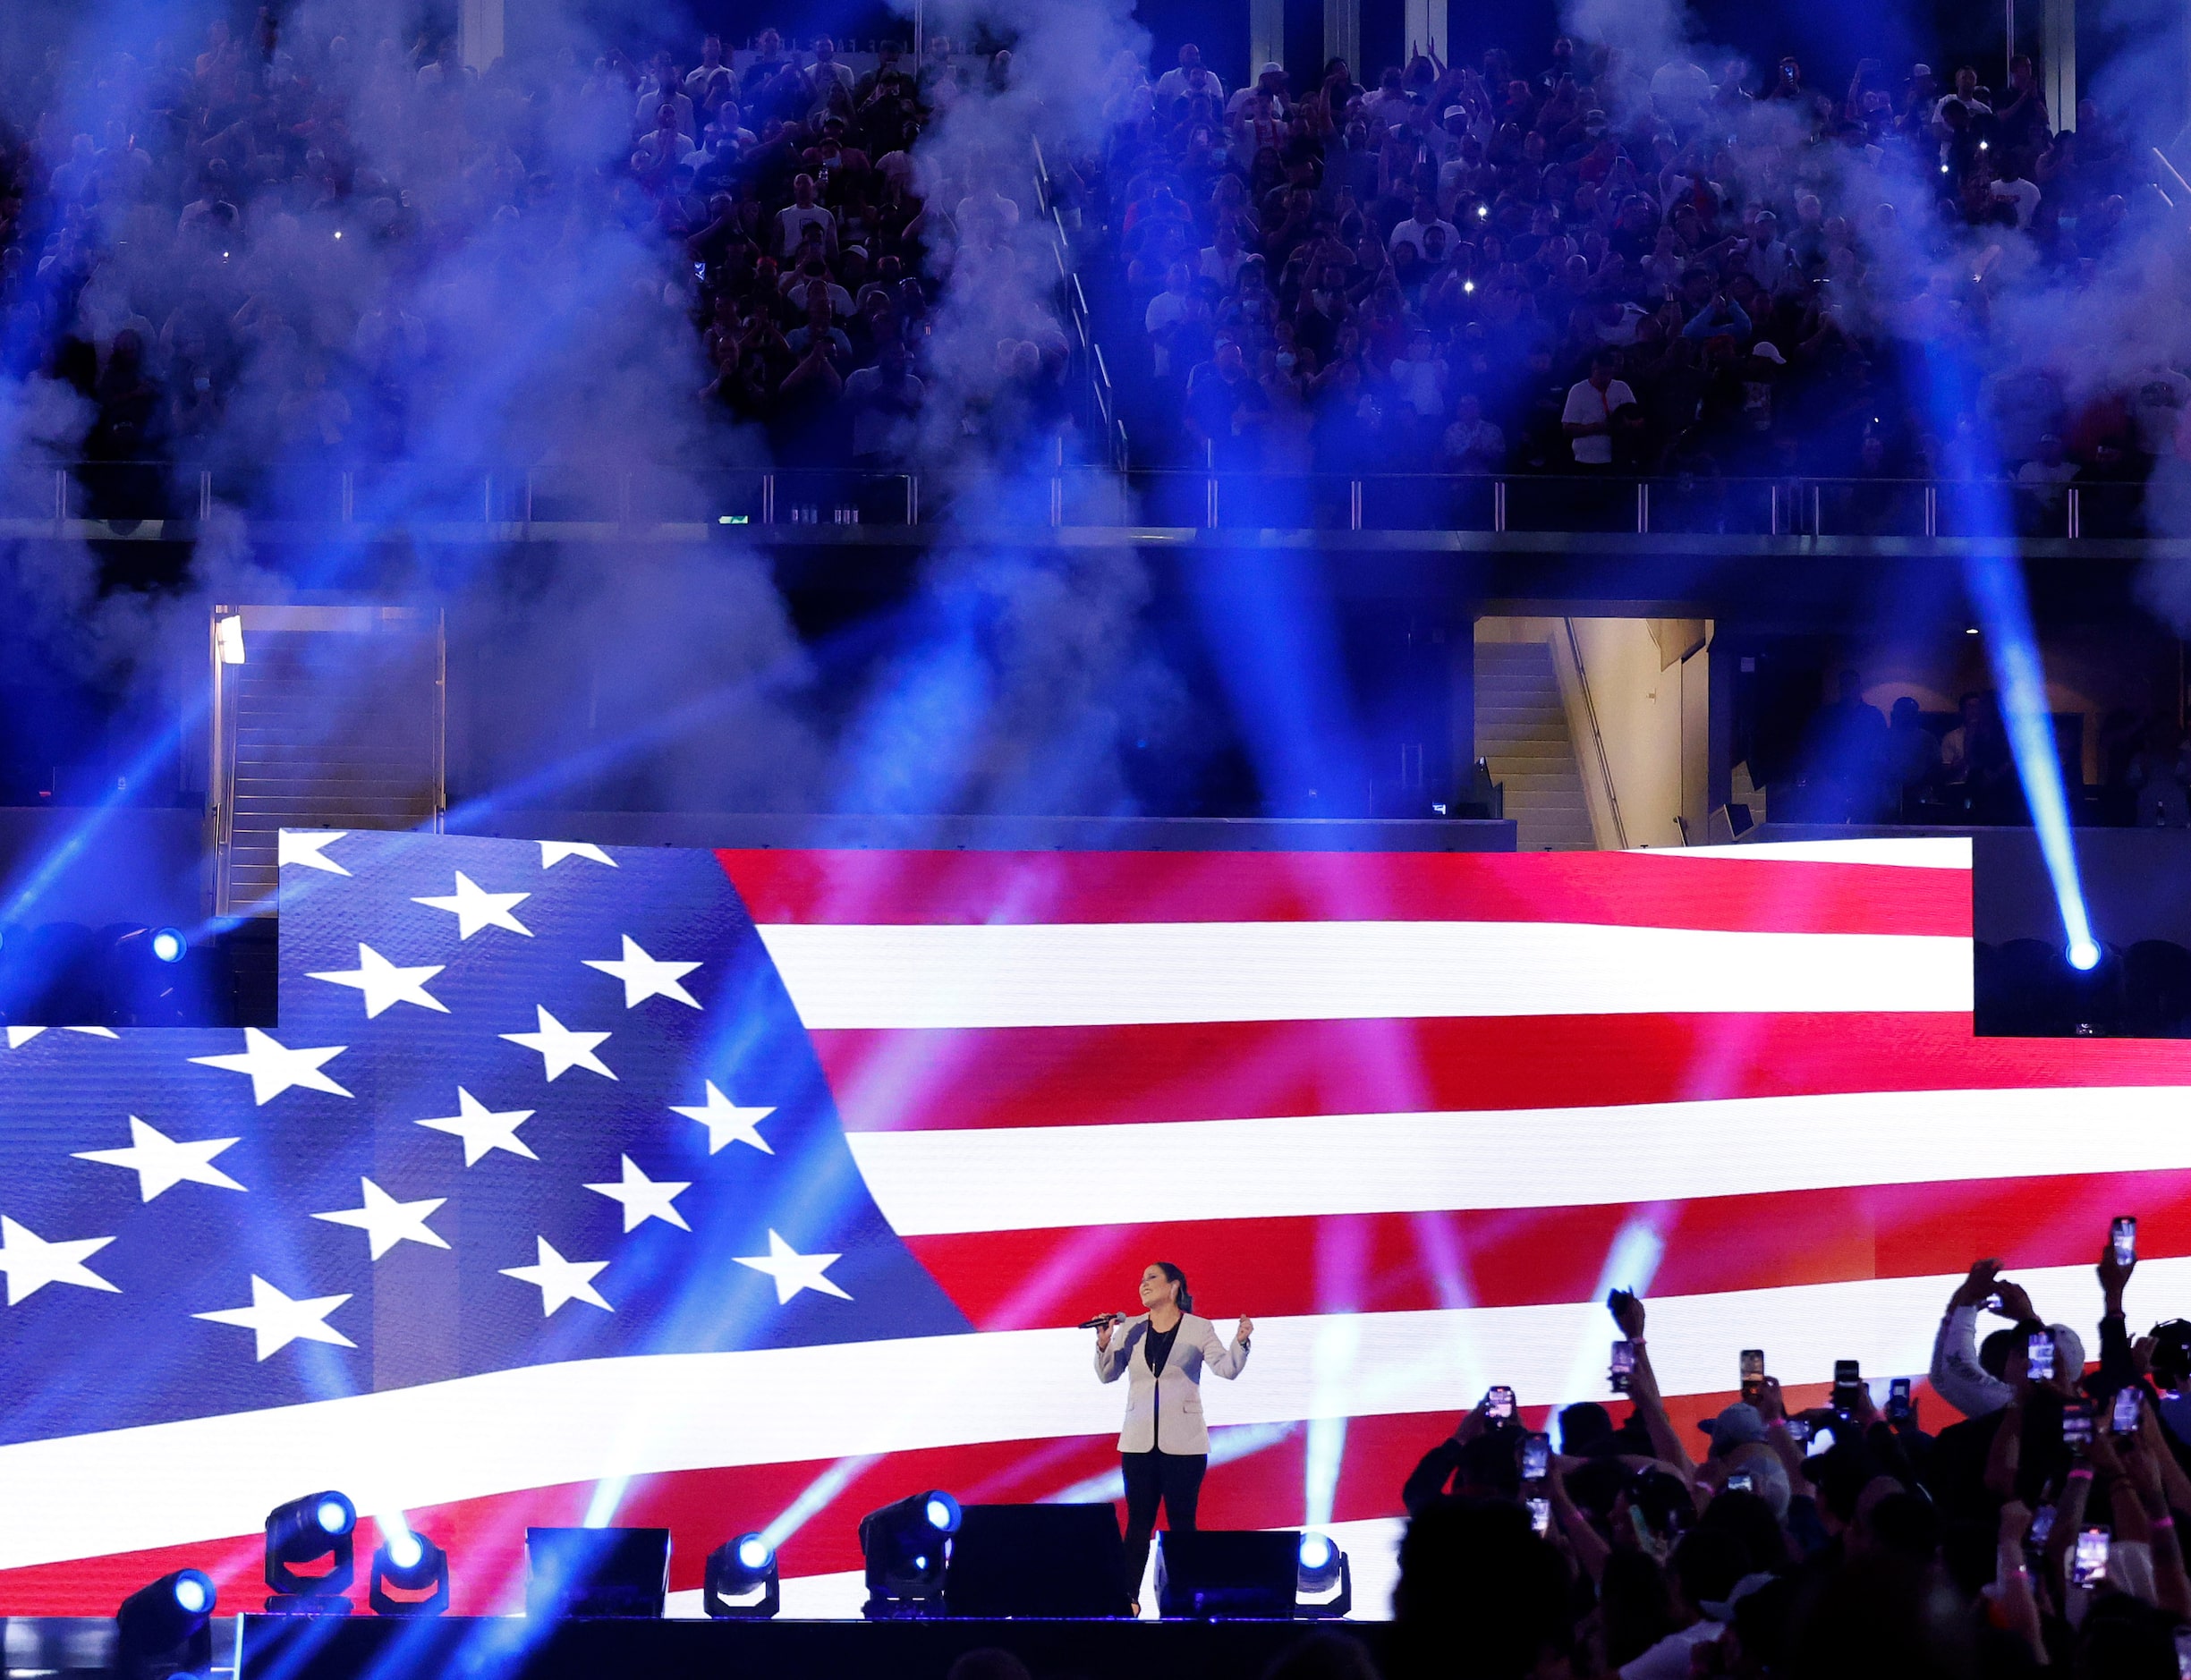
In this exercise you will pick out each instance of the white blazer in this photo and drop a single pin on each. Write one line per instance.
(1165, 1412)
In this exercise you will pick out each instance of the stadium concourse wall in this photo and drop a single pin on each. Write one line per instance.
(710, 830)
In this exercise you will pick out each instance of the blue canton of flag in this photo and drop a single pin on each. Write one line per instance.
(526, 1102)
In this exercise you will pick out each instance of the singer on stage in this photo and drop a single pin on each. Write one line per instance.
(1164, 1448)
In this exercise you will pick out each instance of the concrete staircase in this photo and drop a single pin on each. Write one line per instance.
(334, 718)
(1522, 734)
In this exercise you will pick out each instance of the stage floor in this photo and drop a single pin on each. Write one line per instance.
(504, 1648)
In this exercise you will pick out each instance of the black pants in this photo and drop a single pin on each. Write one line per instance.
(1176, 1478)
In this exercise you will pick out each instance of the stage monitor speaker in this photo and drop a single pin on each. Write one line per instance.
(596, 1571)
(1244, 1572)
(1064, 1560)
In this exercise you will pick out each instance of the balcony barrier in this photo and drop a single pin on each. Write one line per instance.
(126, 494)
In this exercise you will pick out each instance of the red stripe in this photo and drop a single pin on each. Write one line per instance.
(1403, 1262)
(1630, 889)
(956, 1078)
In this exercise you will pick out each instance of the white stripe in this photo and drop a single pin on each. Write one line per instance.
(1118, 974)
(210, 1478)
(1037, 1177)
(1931, 852)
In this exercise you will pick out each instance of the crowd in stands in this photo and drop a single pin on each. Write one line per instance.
(2037, 1533)
(1582, 266)
(237, 248)
(1589, 266)
(1857, 763)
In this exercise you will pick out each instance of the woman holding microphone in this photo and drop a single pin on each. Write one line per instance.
(1164, 1448)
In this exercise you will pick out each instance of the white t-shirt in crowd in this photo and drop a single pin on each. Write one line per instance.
(1173, 85)
(1167, 308)
(1421, 384)
(1411, 233)
(2023, 194)
(1588, 406)
(1238, 102)
(795, 219)
(1215, 265)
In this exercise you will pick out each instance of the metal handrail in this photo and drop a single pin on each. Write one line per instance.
(1597, 736)
(1103, 399)
(1781, 508)
(1793, 507)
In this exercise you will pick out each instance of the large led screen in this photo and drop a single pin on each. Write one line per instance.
(755, 1189)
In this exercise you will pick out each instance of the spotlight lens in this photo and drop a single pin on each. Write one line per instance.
(921, 1562)
(193, 1593)
(1315, 1552)
(405, 1550)
(753, 1553)
(334, 1516)
(169, 945)
(2083, 956)
(942, 1513)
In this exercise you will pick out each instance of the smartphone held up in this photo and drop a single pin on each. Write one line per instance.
(1536, 1457)
(1623, 1366)
(1848, 1386)
(1753, 1374)
(2088, 1563)
(2039, 1356)
(2077, 1427)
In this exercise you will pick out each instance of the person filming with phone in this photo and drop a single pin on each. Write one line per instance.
(1971, 1376)
(1164, 1448)
(1479, 1457)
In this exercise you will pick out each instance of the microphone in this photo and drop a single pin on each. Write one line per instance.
(1100, 1319)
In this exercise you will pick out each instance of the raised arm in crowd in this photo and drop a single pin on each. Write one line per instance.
(2032, 1525)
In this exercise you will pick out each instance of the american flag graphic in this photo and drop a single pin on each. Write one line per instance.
(755, 1189)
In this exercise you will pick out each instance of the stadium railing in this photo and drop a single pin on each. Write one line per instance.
(1061, 492)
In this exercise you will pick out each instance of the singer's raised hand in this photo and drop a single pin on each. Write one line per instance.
(1246, 1329)
(1103, 1336)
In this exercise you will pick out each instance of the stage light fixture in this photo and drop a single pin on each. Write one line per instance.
(1324, 1585)
(167, 1628)
(144, 977)
(228, 634)
(742, 1580)
(2084, 956)
(408, 1564)
(908, 1551)
(304, 1532)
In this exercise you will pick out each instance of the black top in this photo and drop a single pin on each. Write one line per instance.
(1158, 1347)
